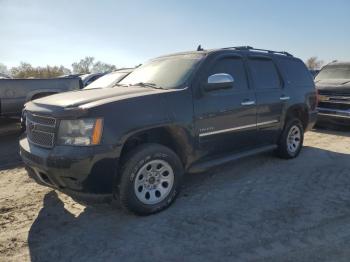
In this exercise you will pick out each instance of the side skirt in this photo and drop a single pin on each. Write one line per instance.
(205, 165)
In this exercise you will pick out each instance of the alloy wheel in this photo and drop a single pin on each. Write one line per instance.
(154, 182)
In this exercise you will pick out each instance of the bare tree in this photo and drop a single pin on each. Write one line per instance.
(313, 63)
(100, 67)
(84, 66)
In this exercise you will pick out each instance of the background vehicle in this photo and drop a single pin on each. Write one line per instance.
(71, 75)
(179, 113)
(105, 81)
(110, 79)
(14, 93)
(314, 73)
(89, 78)
(4, 76)
(333, 85)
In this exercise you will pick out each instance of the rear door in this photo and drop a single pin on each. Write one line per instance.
(225, 120)
(270, 97)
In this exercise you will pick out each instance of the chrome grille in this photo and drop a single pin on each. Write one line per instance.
(41, 130)
(42, 120)
(334, 93)
(339, 106)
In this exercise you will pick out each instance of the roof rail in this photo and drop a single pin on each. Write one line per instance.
(249, 48)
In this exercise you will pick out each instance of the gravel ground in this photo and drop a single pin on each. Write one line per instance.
(257, 209)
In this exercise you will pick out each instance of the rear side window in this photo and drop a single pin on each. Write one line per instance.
(234, 67)
(296, 72)
(264, 73)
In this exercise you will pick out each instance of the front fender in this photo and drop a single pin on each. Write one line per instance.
(33, 93)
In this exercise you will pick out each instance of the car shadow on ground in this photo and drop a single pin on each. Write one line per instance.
(10, 131)
(9, 151)
(333, 130)
(231, 211)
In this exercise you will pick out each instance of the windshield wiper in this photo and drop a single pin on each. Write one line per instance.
(117, 84)
(145, 84)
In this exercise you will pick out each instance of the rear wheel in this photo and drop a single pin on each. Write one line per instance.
(150, 179)
(291, 140)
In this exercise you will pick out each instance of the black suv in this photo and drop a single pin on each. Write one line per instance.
(333, 85)
(178, 113)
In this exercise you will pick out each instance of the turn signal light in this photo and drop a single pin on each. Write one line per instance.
(97, 133)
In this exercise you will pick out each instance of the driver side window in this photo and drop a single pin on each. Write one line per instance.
(235, 68)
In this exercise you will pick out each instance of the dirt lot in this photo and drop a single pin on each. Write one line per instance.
(257, 209)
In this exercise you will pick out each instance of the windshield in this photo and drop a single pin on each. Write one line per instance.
(83, 77)
(334, 72)
(165, 72)
(108, 80)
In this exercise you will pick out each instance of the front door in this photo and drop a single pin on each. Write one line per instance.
(225, 119)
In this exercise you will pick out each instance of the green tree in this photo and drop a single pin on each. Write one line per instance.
(26, 70)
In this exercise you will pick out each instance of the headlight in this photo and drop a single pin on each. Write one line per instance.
(80, 132)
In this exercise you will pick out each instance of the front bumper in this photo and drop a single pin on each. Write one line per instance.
(335, 116)
(84, 170)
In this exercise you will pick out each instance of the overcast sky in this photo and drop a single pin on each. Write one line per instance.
(127, 33)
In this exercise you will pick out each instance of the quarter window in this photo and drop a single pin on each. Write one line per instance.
(264, 74)
(296, 72)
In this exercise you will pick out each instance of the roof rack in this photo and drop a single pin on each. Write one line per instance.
(249, 48)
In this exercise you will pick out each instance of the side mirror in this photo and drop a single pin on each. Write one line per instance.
(219, 81)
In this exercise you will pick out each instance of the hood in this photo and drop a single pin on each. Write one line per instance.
(88, 96)
(76, 103)
(335, 85)
(333, 82)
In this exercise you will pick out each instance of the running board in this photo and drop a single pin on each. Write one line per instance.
(205, 165)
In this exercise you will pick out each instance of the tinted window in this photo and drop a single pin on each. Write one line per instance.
(92, 79)
(296, 72)
(234, 67)
(264, 74)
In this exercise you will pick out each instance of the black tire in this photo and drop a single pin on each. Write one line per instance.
(136, 160)
(283, 150)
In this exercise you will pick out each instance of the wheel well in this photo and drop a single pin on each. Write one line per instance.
(40, 95)
(172, 138)
(300, 113)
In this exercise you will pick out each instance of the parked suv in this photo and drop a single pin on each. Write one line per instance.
(179, 113)
(333, 85)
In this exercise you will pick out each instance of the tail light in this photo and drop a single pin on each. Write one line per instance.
(313, 100)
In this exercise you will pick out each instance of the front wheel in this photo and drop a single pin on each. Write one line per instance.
(150, 179)
(291, 140)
